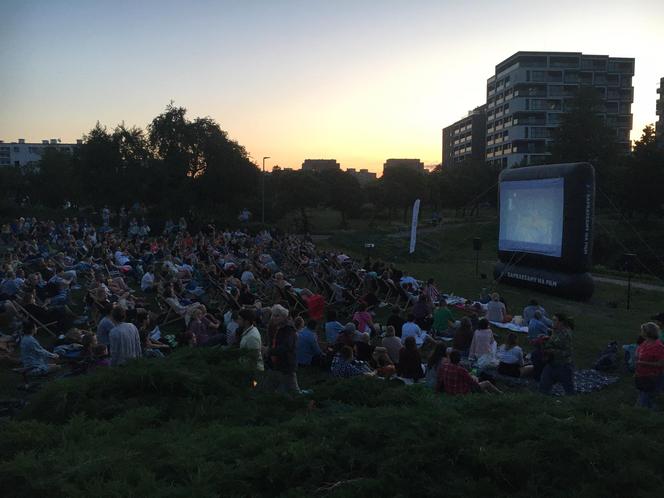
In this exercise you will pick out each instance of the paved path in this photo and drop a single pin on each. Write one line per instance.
(623, 283)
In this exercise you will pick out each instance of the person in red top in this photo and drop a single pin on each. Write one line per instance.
(649, 366)
(315, 304)
(453, 379)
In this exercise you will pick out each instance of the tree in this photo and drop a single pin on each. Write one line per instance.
(342, 192)
(297, 191)
(95, 167)
(199, 166)
(583, 135)
(401, 185)
(642, 175)
(52, 181)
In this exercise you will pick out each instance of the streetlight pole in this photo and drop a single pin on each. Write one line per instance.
(263, 192)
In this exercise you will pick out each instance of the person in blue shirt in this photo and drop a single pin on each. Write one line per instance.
(332, 327)
(538, 325)
(10, 286)
(33, 356)
(307, 349)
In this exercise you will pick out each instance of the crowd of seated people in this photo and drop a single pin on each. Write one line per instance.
(140, 293)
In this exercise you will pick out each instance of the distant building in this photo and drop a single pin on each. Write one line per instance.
(21, 153)
(531, 90)
(466, 139)
(659, 126)
(415, 164)
(364, 176)
(319, 165)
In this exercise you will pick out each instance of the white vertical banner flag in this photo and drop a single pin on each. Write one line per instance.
(413, 226)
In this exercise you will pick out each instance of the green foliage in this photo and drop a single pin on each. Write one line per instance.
(191, 426)
(583, 136)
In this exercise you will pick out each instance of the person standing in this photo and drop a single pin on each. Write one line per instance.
(282, 351)
(649, 366)
(124, 339)
(250, 337)
(557, 352)
(105, 325)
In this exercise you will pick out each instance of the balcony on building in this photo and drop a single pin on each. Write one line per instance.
(530, 90)
(563, 61)
(545, 105)
(528, 147)
(529, 118)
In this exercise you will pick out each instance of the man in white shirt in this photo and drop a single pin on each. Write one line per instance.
(124, 338)
(250, 337)
(411, 329)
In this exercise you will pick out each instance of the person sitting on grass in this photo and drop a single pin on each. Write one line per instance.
(411, 329)
(308, 350)
(344, 366)
(463, 336)
(422, 311)
(510, 357)
(363, 318)
(495, 309)
(392, 344)
(332, 327)
(435, 362)
(205, 328)
(396, 321)
(529, 311)
(483, 340)
(100, 357)
(443, 319)
(410, 361)
(454, 380)
(33, 356)
(538, 325)
(381, 362)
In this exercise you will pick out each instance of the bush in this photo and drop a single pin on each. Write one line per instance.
(191, 426)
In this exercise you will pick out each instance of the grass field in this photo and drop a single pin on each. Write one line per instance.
(191, 426)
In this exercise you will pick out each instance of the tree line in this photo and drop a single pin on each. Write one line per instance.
(183, 167)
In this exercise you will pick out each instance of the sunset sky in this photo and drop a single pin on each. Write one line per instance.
(355, 80)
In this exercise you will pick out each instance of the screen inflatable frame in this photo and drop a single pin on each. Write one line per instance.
(568, 274)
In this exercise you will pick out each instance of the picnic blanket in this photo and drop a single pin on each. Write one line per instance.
(510, 326)
(585, 381)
